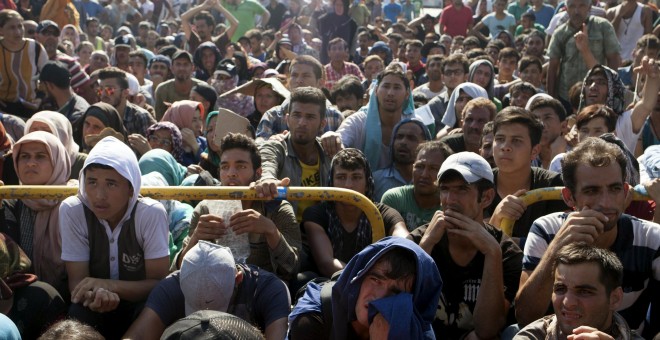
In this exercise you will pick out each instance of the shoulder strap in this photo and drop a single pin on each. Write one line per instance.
(326, 307)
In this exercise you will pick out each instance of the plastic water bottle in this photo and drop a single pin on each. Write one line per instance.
(238, 244)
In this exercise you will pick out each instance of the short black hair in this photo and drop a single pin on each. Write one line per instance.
(243, 142)
(611, 269)
(518, 115)
(348, 85)
(114, 73)
(309, 95)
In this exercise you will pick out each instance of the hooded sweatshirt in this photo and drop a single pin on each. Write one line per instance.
(151, 221)
(409, 314)
(200, 72)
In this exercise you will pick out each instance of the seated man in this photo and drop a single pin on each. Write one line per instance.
(553, 115)
(475, 115)
(474, 256)
(594, 173)
(273, 232)
(115, 243)
(390, 288)
(337, 231)
(417, 202)
(347, 93)
(210, 279)
(587, 284)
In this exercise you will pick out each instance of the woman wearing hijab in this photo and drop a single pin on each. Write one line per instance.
(210, 160)
(101, 120)
(482, 73)
(188, 116)
(166, 136)
(40, 159)
(163, 162)
(70, 33)
(462, 94)
(55, 123)
(7, 171)
(337, 24)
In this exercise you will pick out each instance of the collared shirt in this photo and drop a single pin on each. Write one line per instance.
(602, 42)
(272, 122)
(137, 120)
(333, 76)
(386, 179)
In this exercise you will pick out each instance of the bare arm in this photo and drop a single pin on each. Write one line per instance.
(265, 18)
(148, 326)
(476, 31)
(551, 81)
(613, 60)
(322, 250)
(650, 95)
(399, 230)
(233, 22)
(277, 329)
(647, 17)
(491, 307)
(187, 17)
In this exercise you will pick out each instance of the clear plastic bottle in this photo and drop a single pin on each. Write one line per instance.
(238, 244)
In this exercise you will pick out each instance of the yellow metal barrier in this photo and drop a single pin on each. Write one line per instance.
(548, 194)
(220, 193)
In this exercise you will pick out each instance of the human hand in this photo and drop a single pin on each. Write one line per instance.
(84, 290)
(101, 300)
(209, 228)
(267, 187)
(251, 221)
(188, 137)
(434, 231)
(511, 207)
(653, 189)
(379, 327)
(648, 67)
(472, 230)
(279, 137)
(139, 143)
(582, 39)
(194, 169)
(586, 332)
(455, 131)
(331, 143)
(581, 226)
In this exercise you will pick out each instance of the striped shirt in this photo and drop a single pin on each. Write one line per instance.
(20, 71)
(637, 245)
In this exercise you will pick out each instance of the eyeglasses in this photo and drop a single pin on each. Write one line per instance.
(109, 91)
(456, 72)
(160, 141)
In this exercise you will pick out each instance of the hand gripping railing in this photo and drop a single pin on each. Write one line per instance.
(549, 194)
(57, 192)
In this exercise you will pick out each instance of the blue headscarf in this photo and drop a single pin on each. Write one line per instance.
(164, 163)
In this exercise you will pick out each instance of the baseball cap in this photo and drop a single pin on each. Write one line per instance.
(207, 325)
(46, 24)
(471, 166)
(123, 41)
(133, 84)
(159, 58)
(227, 67)
(207, 277)
(124, 30)
(182, 54)
(57, 73)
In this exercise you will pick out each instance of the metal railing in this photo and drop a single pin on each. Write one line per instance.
(59, 192)
(549, 194)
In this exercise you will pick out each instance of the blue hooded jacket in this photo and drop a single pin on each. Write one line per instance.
(409, 315)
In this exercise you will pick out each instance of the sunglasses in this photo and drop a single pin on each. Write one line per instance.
(109, 91)
(160, 141)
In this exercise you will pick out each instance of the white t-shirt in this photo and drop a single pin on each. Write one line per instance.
(495, 26)
(624, 130)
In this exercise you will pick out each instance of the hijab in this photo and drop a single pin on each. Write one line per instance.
(108, 115)
(182, 112)
(163, 162)
(616, 91)
(47, 243)
(5, 147)
(60, 126)
(213, 157)
(472, 90)
(177, 140)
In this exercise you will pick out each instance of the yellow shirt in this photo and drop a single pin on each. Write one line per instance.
(311, 177)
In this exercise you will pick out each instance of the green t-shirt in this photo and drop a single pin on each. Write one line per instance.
(403, 200)
(244, 13)
(538, 27)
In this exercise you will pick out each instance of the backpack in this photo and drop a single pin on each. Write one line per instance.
(326, 299)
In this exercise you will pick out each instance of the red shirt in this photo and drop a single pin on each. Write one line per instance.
(456, 21)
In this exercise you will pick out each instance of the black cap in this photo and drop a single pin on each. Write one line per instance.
(227, 67)
(182, 54)
(208, 324)
(46, 24)
(57, 73)
(123, 41)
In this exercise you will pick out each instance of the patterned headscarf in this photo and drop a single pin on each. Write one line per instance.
(615, 89)
(177, 140)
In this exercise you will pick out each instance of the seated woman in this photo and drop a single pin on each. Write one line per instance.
(188, 116)
(40, 159)
(55, 123)
(163, 162)
(267, 94)
(210, 159)
(98, 118)
(337, 231)
(163, 135)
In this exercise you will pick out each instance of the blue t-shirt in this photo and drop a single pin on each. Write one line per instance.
(543, 16)
(392, 11)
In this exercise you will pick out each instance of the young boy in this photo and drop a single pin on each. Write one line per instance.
(115, 244)
(507, 61)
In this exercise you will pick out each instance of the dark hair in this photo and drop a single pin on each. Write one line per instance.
(394, 70)
(254, 33)
(309, 95)
(206, 16)
(348, 85)
(574, 94)
(611, 269)
(509, 52)
(402, 262)
(482, 184)
(648, 40)
(594, 152)
(414, 43)
(597, 111)
(434, 145)
(71, 329)
(488, 128)
(350, 159)
(471, 40)
(207, 92)
(271, 34)
(8, 14)
(524, 87)
(114, 73)
(396, 36)
(338, 41)
(529, 15)
(551, 103)
(528, 61)
(311, 61)
(140, 54)
(457, 58)
(97, 166)
(534, 34)
(433, 58)
(243, 142)
(518, 115)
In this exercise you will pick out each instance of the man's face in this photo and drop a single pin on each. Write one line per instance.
(526, 23)
(363, 41)
(236, 168)
(302, 75)
(337, 52)
(339, 7)
(425, 172)
(473, 124)
(158, 70)
(459, 196)
(121, 55)
(203, 29)
(295, 35)
(507, 65)
(413, 54)
(482, 76)
(579, 299)
(182, 69)
(208, 59)
(265, 98)
(453, 75)
(532, 75)
(391, 93)
(376, 285)
(434, 70)
(355, 179)
(111, 93)
(520, 98)
(93, 28)
(304, 122)
(552, 126)
(601, 189)
(373, 69)
(596, 89)
(50, 39)
(486, 149)
(347, 102)
(593, 128)
(137, 66)
(534, 46)
(512, 147)
(30, 30)
(406, 140)
(255, 45)
(394, 46)
(108, 193)
(578, 11)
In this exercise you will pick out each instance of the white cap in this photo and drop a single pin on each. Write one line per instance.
(471, 166)
(133, 84)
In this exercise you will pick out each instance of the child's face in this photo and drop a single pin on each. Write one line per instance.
(108, 194)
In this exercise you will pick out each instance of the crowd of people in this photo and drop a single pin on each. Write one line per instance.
(443, 122)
